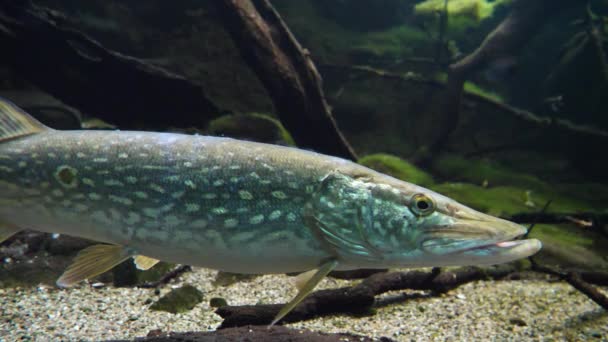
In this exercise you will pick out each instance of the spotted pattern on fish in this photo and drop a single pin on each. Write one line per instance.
(153, 190)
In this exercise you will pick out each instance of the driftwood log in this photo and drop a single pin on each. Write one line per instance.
(39, 45)
(287, 72)
(359, 299)
(253, 333)
(506, 41)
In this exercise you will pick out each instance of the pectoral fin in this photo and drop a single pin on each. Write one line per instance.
(92, 261)
(303, 278)
(144, 263)
(7, 230)
(306, 288)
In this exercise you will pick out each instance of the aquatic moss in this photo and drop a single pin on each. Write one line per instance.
(179, 300)
(217, 302)
(397, 167)
(228, 278)
(473, 10)
(333, 43)
(509, 200)
(522, 192)
(252, 126)
(395, 42)
(481, 171)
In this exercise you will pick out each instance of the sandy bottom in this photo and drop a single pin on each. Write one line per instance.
(509, 310)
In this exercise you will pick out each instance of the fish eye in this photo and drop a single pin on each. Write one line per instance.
(422, 205)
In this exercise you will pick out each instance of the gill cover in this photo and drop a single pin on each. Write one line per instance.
(341, 214)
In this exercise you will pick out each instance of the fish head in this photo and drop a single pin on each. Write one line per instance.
(413, 226)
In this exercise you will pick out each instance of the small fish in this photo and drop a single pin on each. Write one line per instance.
(230, 205)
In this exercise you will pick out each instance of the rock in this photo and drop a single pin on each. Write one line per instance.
(510, 200)
(217, 302)
(255, 333)
(125, 274)
(228, 278)
(254, 126)
(398, 168)
(518, 321)
(478, 171)
(179, 300)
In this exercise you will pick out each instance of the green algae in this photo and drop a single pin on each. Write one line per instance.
(462, 14)
(471, 88)
(510, 200)
(398, 168)
(252, 126)
(473, 9)
(217, 302)
(481, 171)
(179, 300)
(333, 43)
(500, 190)
(393, 43)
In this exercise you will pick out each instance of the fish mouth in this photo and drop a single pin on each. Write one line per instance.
(503, 251)
(479, 242)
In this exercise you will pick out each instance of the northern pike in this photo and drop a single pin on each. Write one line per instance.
(230, 205)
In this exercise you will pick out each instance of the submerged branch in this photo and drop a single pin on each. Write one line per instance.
(521, 114)
(359, 299)
(287, 72)
(580, 281)
(506, 41)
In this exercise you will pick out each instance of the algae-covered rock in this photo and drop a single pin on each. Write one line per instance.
(510, 192)
(475, 10)
(397, 167)
(463, 15)
(253, 126)
(509, 200)
(217, 302)
(483, 172)
(179, 300)
(392, 43)
(228, 278)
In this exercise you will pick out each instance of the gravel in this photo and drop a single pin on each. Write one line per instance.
(507, 310)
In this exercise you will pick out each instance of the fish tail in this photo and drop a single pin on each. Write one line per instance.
(15, 123)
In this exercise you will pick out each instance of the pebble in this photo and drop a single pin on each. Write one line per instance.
(485, 310)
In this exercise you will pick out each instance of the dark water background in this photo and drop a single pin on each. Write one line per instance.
(384, 65)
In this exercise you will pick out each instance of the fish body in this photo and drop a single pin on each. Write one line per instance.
(231, 205)
(207, 201)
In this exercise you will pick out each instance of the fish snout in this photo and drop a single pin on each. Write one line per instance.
(468, 233)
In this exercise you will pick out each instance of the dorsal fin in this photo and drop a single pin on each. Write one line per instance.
(14, 122)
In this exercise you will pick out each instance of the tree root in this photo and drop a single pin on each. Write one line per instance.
(287, 72)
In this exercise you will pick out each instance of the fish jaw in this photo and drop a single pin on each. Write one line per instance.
(478, 239)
